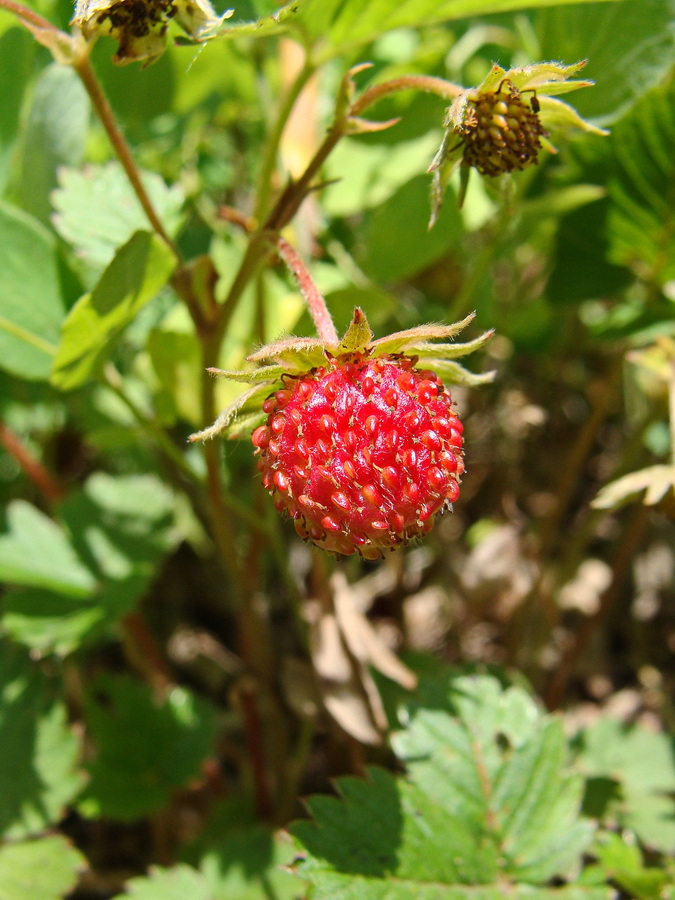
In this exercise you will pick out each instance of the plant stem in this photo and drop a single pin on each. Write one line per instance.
(271, 147)
(426, 83)
(32, 467)
(85, 71)
(315, 301)
(23, 12)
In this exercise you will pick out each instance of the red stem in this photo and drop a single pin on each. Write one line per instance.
(31, 466)
(315, 301)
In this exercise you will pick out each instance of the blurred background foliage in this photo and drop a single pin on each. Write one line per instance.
(143, 742)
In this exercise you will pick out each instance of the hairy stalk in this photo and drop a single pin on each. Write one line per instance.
(28, 15)
(315, 302)
(428, 84)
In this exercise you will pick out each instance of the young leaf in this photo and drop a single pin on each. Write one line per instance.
(97, 212)
(31, 307)
(95, 324)
(487, 808)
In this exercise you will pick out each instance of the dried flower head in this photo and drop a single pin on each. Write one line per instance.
(500, 126)
(141, 26)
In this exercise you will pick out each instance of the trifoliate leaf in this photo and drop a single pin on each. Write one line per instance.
(487, 808)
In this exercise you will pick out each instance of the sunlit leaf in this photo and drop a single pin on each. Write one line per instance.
(487, 803)
(31, 307)
(39, 761)
(96, 322)
(47, 868)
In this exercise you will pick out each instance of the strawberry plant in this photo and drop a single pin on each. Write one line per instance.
(337, 441)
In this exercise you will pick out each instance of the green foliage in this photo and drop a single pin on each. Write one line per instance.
(145, 749)
(487, 803)
(640, 766)
(94, 325)
(177, 671)
(32, 305)
(47, 869)
(38, 764)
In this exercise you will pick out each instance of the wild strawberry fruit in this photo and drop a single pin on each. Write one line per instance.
(360, 446)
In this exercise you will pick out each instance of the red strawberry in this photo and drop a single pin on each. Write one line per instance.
(360, 448)
(361, 453)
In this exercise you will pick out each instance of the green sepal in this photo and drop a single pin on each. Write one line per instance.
(450, 351)
(252, 397)
(294, 354)
(358, 335)
(407, 340)
(251, 376)
(452, 373)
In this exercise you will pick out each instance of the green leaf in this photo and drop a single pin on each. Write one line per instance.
(38, 763)
(629, 48)
(366, 175)
(641, 220)
(31, 307)
(177, 883)
(339, 25)
(95, 324)
(47, 868)
(402, 223)
(55, 135)
(122, 527)
(144, 749)
(487, 807)
(97, 212)
(623, 864)
(36, 552)
(243, 859)
(643, 764)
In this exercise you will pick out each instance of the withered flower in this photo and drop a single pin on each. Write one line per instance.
(141, 26)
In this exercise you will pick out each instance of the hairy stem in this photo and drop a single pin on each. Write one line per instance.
(315, 301)
(425, 83)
